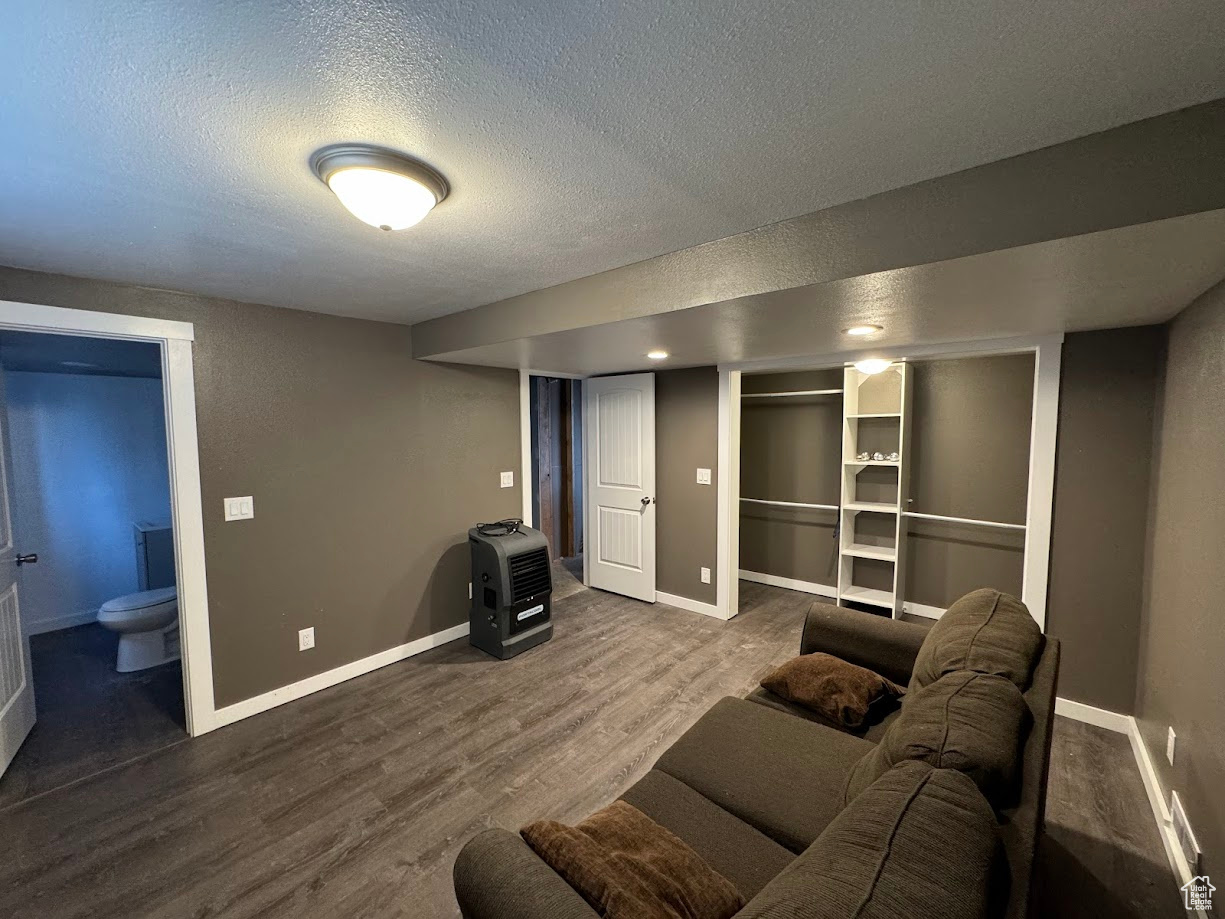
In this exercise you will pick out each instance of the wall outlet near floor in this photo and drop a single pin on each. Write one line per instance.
(703, 476)
(239, 508)
(705, 572)
(1169, 746)
(508, 480)
(306, 639)
(1187, 843)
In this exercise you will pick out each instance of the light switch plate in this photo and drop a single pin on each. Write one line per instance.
(705, 575)
(239, 508)
(703, 476)
(508, 480)
(306, 639)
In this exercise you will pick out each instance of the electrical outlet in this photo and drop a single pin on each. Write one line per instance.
(306, 639)
(508, 480)
(1169, 746)
(239, 508)
(703, 476)
(705, 575)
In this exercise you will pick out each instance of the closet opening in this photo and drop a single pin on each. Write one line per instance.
(893, 493)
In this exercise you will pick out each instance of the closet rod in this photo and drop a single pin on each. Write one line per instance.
(819, 507)
(967, 520)
(781, 395)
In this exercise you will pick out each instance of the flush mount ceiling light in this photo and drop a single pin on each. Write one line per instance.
(873, 365)
(861, 330)
(380, 187)
(657, 355)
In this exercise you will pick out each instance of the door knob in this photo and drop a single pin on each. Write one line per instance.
(26, 559)
(646, 501)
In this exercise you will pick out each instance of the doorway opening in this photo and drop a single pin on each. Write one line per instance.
(556, 411)
(90, 565)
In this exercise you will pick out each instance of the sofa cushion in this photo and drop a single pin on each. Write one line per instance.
(918, 842)
(627, 866)
(780, 774)
(985, 631)
(844, 694)
(740, 853)
(971, 722)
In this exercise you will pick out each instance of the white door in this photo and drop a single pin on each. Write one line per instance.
(620, 464)
(16, 684)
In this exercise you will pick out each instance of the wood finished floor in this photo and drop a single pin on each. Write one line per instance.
(354, 801)
(90, 718)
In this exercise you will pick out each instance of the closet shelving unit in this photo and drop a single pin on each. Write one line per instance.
(872, 532)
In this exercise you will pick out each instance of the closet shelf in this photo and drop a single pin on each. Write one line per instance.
(784, 395)
(873, 463)
(878, 507)
(868, 595)
(860, 550)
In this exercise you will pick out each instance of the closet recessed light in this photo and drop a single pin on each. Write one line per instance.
(859, 331)
(657, 355)
(380, 187)
(873, 365)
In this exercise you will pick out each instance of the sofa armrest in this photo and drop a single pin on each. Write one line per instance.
(886, 646)
(498, 876)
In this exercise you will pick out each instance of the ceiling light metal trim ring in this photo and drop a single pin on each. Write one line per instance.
(331, 159)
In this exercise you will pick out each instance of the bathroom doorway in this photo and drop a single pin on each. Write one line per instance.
(90, 520)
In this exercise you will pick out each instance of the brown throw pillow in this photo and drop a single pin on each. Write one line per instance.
(627, 866)
(838, 691)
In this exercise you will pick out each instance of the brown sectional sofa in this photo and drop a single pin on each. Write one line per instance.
(757, 788)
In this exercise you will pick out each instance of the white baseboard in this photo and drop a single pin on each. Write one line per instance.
(1161, 810)
(262, 703)
(774, 580)
(922, 609)
(695, 606)
(1079, 711)
(61, 622)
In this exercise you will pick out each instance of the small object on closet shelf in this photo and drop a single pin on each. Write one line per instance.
(878, 456)
(894, 457)
(864, 457)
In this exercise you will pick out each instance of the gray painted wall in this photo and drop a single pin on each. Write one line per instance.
(1102, 474)
(1181, 667)
(367, 468)
(686, 438)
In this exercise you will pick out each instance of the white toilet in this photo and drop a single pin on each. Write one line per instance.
(148, 627)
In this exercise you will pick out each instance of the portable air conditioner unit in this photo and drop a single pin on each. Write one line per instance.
(512, 582)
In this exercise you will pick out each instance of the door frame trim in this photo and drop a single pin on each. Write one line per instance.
(1047, 351)
(182, 446)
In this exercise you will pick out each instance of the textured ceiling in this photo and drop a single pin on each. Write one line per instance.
(166, 143)
(1136, 275)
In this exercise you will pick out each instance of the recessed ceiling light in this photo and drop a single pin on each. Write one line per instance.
(861, 330)
(657, 355)
(873, 365)
(380, 187)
